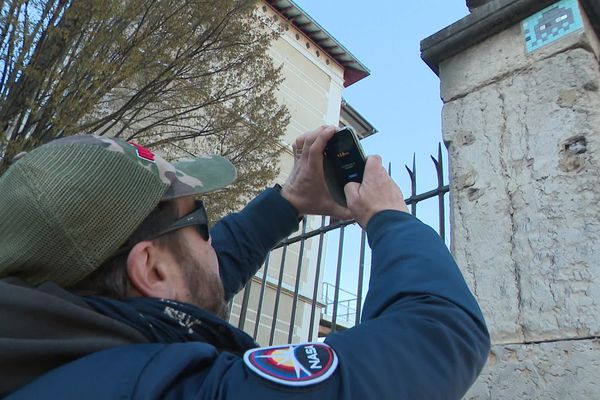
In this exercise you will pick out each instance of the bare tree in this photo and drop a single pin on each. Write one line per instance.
(187, 75)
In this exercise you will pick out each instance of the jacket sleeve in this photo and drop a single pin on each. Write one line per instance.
(422, 335)
(242, 240)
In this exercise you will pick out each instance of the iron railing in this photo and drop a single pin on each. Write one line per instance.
(346, 310)
(332, 308)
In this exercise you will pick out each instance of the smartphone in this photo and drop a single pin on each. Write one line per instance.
(344, 162)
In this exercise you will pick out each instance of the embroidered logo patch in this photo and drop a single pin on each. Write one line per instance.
(143, 152)
(293, 365)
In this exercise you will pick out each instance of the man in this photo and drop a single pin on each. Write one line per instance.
(111, 285)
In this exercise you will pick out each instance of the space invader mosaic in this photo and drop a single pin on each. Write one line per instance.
(551, 24)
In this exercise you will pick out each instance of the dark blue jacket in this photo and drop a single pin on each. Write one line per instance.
(422, 334)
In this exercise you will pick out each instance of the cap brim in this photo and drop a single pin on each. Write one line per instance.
(200, 176)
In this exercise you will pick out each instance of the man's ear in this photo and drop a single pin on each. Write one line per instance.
(149, 272)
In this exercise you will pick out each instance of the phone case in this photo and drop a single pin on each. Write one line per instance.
(344, 162)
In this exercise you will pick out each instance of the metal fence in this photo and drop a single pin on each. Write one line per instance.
(332, 307)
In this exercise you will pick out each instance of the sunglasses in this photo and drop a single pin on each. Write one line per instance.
(197, 218)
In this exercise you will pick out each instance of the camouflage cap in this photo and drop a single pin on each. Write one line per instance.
(68, 205)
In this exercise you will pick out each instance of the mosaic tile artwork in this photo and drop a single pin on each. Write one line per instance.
(552, 24)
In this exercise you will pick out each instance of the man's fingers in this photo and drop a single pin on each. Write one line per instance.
(319, 142)
(308, 141)
(297, 149)
(328, 131)
(308, 181)
(341, 212)
(351, 192)
(305, 141)
(322, 139)
(373, 163)
(323, 131)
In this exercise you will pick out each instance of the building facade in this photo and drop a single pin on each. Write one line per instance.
(316, 69)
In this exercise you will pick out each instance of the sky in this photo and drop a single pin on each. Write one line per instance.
(401, 97)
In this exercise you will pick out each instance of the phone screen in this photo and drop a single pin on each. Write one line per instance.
(344, 151)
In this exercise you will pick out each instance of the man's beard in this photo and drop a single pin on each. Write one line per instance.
(206, 287)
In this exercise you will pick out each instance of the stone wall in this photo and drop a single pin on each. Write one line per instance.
(523, 134)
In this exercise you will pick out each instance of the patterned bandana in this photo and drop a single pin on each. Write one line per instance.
(168, 321)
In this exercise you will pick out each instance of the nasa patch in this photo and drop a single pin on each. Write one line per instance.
(293, 365)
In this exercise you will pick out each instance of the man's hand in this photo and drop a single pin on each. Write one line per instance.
(377, 192)
(305, 188)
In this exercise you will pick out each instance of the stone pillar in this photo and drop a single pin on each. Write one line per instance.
(473, 4)
(520, 82)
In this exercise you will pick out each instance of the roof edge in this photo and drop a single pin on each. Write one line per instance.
(354, 69)
(366, 129)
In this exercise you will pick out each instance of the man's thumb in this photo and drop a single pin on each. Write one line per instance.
(351, 192)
